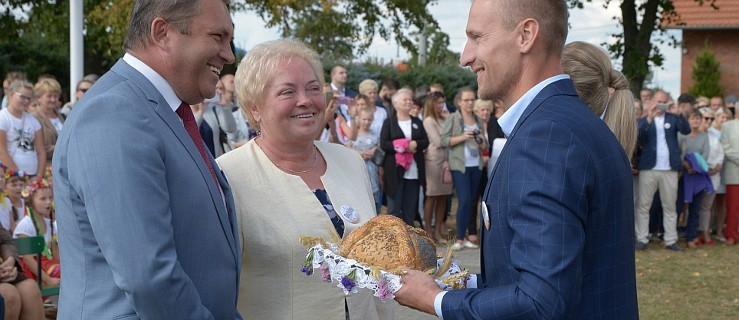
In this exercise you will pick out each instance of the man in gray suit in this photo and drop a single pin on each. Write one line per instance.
(146, 222)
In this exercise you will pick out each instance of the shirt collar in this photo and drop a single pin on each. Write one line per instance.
(335, 88)
(509, 119)
(156, 79)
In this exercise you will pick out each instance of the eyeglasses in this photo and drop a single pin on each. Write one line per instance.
(83, 90)
(702, 105)
(23, 96)
(707, 118)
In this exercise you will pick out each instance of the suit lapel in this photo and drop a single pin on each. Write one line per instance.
(170, 118)
(173, 122)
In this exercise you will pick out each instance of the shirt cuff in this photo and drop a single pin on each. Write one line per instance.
(472, 282)
(437, 304)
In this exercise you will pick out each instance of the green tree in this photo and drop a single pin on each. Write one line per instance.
(451, 76)
(437, 52)
(342, 28)
(35, 35)
(635, 45)
(706, 75)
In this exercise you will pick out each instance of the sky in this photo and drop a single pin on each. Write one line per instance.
(592, 24)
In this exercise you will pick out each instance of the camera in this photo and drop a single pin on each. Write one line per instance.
(476, 134)
(663, 106)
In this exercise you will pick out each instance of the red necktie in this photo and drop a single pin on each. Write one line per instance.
(191, 126)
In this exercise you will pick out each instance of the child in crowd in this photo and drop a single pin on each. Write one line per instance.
(12, 205)
(6, 209)
(21, 295)
(40, 221)
(366, 143)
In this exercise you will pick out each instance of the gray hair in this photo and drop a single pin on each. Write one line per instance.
(396, 97)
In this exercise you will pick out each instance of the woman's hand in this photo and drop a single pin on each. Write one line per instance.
(688, 167)
(412, 146)
(8, 272)
(49, 281)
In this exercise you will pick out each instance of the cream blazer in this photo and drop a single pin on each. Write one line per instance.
(730, 143)
(274, 209)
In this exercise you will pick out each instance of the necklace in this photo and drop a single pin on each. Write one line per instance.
(315, 161)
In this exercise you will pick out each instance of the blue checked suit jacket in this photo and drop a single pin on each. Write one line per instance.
(560, 245)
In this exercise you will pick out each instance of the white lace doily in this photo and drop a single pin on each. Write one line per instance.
(352, 275)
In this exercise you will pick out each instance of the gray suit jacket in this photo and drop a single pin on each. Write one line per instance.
(144, 232)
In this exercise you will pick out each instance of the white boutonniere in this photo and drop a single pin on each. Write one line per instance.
(349, 214)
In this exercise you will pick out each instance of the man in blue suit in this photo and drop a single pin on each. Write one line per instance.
(557, 238)
(658, 166)
(146, 222)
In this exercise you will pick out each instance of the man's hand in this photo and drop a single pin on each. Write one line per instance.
(418, 291)
(654, 112)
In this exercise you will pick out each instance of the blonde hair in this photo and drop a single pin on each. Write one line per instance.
(17, 84)
(726, 111)
(257, 69)
(46, 85)
(479, 103)
(702, 100)
(591, 71)
(367, 85)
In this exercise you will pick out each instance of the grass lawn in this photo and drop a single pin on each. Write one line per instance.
(694, 284)
(698, 283)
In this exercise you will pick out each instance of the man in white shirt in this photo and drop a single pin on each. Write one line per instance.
(658, 167)
(557, 213)
(146, 219)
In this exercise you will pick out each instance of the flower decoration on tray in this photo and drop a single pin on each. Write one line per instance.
(372, 257)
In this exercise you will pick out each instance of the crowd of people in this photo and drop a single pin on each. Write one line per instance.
(323, 151)
(685, 170)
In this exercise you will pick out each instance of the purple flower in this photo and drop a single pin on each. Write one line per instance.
(325, 275)
(347, 283)
(383, 292)
(307, 270)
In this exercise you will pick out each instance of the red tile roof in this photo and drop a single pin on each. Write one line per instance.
(695, 16)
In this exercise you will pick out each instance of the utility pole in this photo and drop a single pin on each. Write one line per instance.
(76, 46)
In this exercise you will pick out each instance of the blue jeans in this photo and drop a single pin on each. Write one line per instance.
(466, 186)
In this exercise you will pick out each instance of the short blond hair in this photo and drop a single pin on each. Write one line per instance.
(46, 85)
(479, 103)
(367, 85)
(257, 69)
(17, 84)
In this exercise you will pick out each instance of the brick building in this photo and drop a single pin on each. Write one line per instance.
(720, 28)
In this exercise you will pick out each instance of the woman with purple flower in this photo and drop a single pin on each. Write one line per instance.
(286, 185)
